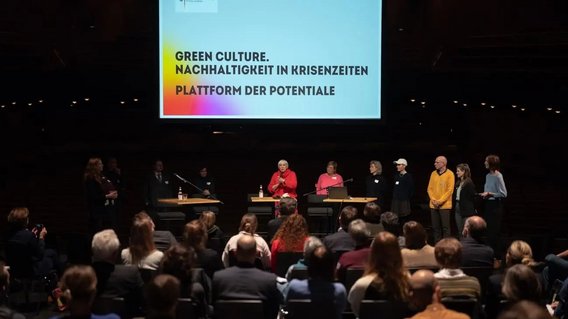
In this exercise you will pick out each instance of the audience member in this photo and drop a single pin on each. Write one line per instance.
(162, 294)
(453, 281)
(163, 239)
(319, 287)
(372, 218)
(286, 207)
(521, 283)
(244, 281)
(525, 310)
(290, 237)
(417, 252)
(79, 287)
(341, 240)
(115, 280)
(359, 256)
(561, 301)
(385, 277)
(195, 236)
(25, 249)
(248, 227)
(142, 251)
(391, 224)
(475, 252)
(5, 312)
(440, 190)
(427, 298)
(181, 262)
(215, 236)
(556, 269)
(309, 246)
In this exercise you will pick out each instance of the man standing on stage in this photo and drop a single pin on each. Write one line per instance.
(440, 190)
(403, 190)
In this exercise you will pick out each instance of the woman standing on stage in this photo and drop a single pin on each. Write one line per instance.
(376, 183)
(101, 195)
(464, 196)
(329, 179)
(283, 181)
(494, 192)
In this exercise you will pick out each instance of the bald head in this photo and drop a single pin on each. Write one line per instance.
(424, 287)
(474, 227)
(246, 249)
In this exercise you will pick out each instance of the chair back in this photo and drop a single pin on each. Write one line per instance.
(351, 276)
(299, 273)
(285, 260)
(482, 274)
(147, 274)
(104, 305)
(239, 309)
(306, 308)
(469, 306)
(19, 257)
(185, 309)
(382, 309)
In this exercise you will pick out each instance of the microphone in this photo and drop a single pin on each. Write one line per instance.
(180, 178)
(348, 180)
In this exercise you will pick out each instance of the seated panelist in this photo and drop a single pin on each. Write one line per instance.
(283, 182)
(329, 179)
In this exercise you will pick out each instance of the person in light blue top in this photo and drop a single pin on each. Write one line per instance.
(79, 287)
(319, 288)
(494, 192)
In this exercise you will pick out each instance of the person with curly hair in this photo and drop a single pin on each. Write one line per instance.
(290, 237)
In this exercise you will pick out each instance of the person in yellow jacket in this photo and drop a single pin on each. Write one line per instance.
(440, 190)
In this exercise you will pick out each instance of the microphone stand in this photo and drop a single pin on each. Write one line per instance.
(195, 186)
(339, 183)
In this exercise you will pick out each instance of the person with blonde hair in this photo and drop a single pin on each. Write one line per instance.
(248, 226)
(385, 277)
(142, 251)
(376, 183)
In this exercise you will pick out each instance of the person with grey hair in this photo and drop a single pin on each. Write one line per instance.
(309, 246)
(115, 280)
(283, 182)
(376, 183)
(440, 191)
(358, 257)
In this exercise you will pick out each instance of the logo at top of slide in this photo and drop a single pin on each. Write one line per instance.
(196, 6)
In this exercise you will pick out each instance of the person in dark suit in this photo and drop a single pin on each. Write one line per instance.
(464, 196)
(115, 280)
(287, 207)
(475, 252)
(341, 240)
(158, 185)
(244, 281)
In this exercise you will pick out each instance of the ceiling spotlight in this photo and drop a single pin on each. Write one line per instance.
(557, 111)
(3, 106)
(465, 104)
(492, 106)
(423, 102)
(218, 132)
(86, 99)
(122, 102)
(135, 99)
(14, 103)
(423, 106)
(40, 101)
(523, 109)
(30, 104)
(483, 103)
(74, 102)
(549, 109)
(455, 101)
(420, 124)
(514, 106)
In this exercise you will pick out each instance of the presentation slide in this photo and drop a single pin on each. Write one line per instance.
(268, 59)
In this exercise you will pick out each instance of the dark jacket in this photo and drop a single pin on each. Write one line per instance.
(467, 200)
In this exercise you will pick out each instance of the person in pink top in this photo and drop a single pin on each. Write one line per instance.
(329, 179)
(283, 181)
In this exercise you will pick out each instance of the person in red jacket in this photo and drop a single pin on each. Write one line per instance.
(283, 181)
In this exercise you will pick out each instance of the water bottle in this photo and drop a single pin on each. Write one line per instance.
(180, 194)
(260, 192)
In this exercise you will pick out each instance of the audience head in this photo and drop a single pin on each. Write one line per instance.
(195, 235)
(448, 252)
(525, 310)
(309, 246)
(385, 261)
(208, 219)
(293, 231)
(372, 213)
(143, 216)
(359, 232)
(288, 206)
(141, 239)
(161, 296)
(375, 167)
(347, 215)
(425, 289)
(321, 265)
(105, 246)
(492, 162)
(248, 223)
(79, 287)
(94, 169)
(389, 220)
(474, 227)
(4, 278)
(246, 249)
(519, 252)
(521, 283)
(178, 261)
(19, 217)
(414, 235)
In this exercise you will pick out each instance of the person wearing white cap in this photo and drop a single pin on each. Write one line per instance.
(403, 190)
